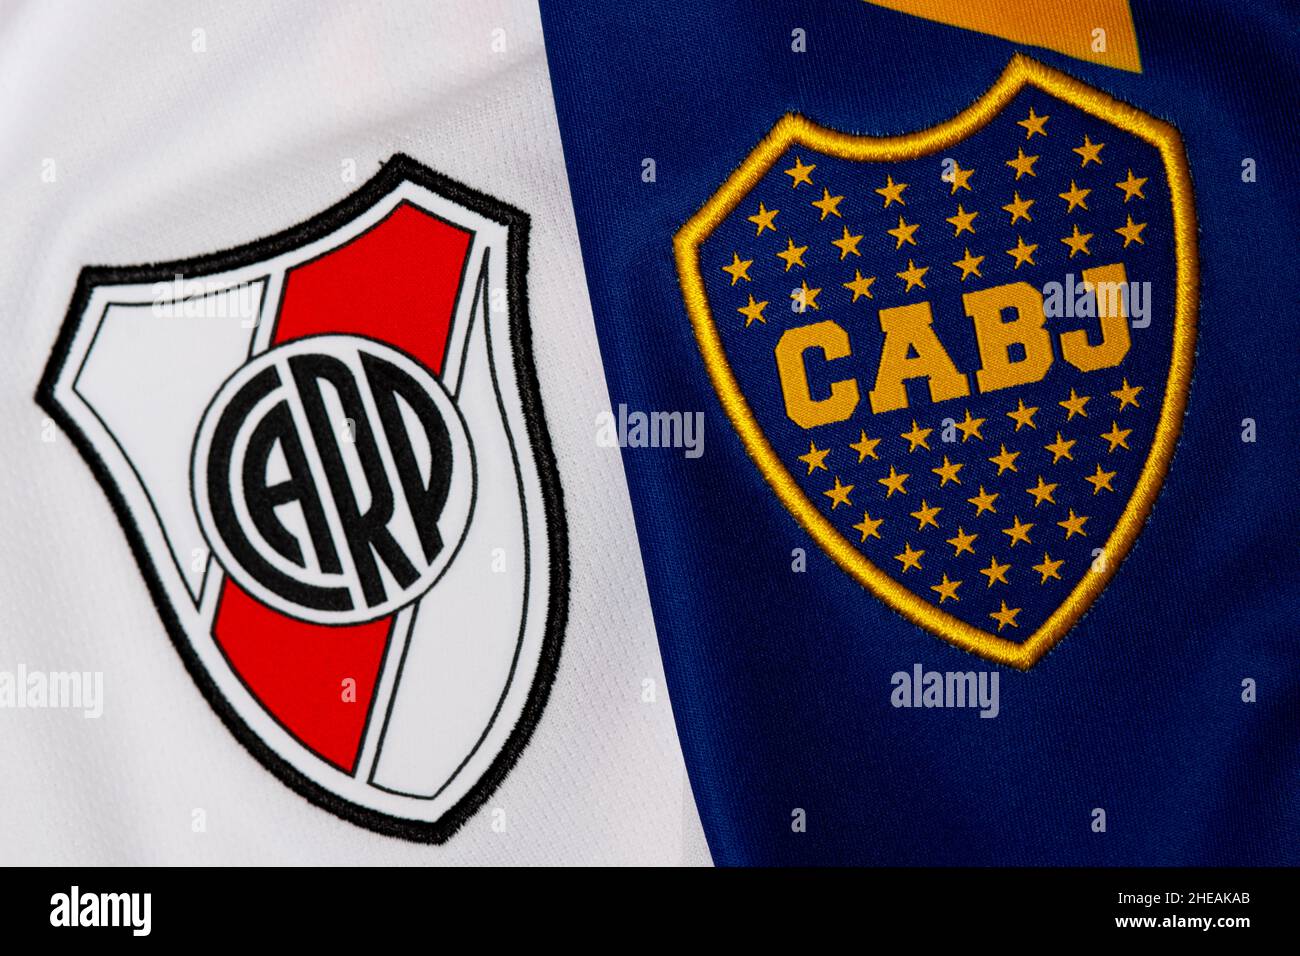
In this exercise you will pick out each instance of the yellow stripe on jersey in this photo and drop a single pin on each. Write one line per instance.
(1100, 31)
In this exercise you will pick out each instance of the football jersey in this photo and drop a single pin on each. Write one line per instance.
(311, 554)
(752, 434)
(988, 312)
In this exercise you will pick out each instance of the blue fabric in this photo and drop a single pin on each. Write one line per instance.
(780, 680)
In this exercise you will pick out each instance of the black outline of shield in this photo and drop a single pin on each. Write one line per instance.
(397, 169)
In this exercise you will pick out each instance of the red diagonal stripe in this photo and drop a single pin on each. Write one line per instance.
(397, 282)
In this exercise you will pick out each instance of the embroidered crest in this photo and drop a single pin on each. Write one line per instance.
(327, 450)
(960, 357)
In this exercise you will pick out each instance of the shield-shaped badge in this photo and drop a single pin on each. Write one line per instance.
(960, 357)
(328, 452)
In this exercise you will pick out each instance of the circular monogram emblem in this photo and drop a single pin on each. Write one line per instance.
(333, 478)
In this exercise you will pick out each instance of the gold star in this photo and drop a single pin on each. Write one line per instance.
(1132, 186)
(894, 482)
(962, 221)
(1075, 197)
(917, 436)
(1022, 415)
(1019, 209)
(1074, 404)
(1089, 151)
(869, 527)
(1018, 532)
(1033, 124)
(948, 472)
(969, 265)
(1128, 395)
(962, 542)
(1042, 492)
(947, 589)
(793, 255)
(1060, 448)
(995, 571)
(805, 297)
(1049, 568)
(960, 178)
(860, 286)
(1073, 525)
(1099, 480)
(847, 244)
(828, 204)
(1006, 616)
(839, 495)
(1132, 231)
(984, 502)
(739, 268)
(926, 515)
(800, 173)
(892, 191)
(909, 558)
(865, 447)
(816, 457)
(1118, 437)
(1005, 459)
(969, 427)
(903, 233)
(763, 219)
(1023, 164)
(913, 275)
(1078, 242)
(752, 311)
(1023, 253)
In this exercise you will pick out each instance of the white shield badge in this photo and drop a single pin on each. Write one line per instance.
(328, 452)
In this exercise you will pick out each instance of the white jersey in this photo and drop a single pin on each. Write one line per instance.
(187, 534)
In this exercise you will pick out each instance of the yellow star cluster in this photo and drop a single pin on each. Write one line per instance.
(906, 236)
(1008, 503)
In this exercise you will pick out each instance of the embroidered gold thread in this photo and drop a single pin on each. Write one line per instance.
(795, 129)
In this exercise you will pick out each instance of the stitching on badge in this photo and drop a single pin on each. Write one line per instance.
(794, 129)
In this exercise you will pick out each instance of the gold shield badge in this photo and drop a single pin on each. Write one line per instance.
(960, 357)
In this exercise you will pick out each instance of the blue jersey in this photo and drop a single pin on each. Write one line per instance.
(986, 552)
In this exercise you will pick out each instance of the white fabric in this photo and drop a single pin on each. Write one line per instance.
(162, 151)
